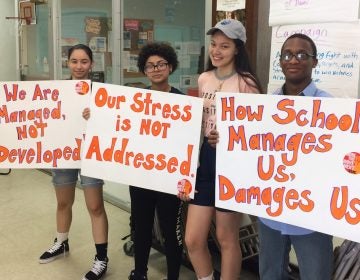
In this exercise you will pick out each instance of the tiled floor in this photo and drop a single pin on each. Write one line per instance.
(27, 226)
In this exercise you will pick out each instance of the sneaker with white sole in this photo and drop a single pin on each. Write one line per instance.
(98, 269)
(58, 249)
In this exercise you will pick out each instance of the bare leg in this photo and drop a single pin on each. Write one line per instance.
(196, 235)
(65, 199)
(95, 205)
(227, 232)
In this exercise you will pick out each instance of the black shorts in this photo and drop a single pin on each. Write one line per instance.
(205, 177)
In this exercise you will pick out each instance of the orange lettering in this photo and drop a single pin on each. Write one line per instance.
(226, 188)
(282, 106)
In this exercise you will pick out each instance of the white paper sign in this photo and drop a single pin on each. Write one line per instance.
(230, 5)
(338, 65)
(41, 124)
(291, 159)
(144, 138)
(309, 11)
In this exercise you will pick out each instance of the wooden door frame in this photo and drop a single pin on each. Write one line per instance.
(251, 24)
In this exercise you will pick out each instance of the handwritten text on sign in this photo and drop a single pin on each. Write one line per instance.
(338, 61)
(295, 160)
(306, 11)
(41, 124)
(144, 138)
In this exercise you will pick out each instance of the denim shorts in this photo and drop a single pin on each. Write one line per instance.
(205, 178)
(62, 177)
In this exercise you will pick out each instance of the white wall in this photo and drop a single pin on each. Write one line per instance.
(8, 47)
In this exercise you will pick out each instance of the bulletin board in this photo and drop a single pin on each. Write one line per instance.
(97, 30)
(137, 33)
(249, 17)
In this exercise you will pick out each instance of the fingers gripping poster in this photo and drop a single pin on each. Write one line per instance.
(41, 124)
(144, 138)
(291, 159)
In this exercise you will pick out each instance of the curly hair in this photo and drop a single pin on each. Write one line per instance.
(164, 50)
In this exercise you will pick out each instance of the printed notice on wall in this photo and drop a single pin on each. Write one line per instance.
(291, 159)
(310, 11)
(144, 138)
(230, 5)
(338, 60)
(41, 124)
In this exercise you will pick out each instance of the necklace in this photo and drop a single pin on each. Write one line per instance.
(222, 79)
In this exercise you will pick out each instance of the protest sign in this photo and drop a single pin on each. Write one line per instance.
(141, 137)
(291, 159)
(41, 125)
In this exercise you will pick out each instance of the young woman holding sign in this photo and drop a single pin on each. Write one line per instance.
(80, 62)
(157, 61)
(228, 71)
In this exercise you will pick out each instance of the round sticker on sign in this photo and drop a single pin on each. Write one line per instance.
(184, 186)
(82, 88)
(351, 162)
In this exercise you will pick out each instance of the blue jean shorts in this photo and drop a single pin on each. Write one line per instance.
(205, 178)
(62, 177)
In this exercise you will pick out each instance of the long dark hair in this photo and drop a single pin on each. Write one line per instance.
(83, 47)
(242, 65)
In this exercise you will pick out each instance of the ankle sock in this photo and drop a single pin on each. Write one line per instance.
(101, 251)
(61, 236)
(209, 277)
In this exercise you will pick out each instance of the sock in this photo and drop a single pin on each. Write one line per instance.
(101, 251)
(61, 236)
(209, 277)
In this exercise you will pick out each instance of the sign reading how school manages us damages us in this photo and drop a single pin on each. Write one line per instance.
(291, 159)
(41, 124)
(144, 138)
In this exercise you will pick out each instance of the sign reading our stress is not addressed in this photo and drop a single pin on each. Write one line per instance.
(144, 138)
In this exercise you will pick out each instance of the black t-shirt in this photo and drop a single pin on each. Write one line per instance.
(172, 90)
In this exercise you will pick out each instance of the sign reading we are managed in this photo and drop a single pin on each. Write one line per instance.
(41, 125)
(291, 159)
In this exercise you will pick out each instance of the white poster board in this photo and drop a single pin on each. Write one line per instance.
(311, 11)
(291, 159)
(41, 124)
(144, 138)
(338, 48)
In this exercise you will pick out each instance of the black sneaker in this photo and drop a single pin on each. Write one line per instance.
(98, 269)
(134, 275)
(57, 250)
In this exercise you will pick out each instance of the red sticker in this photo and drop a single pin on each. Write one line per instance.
(351, 162)
(82, 88)
(184, 186)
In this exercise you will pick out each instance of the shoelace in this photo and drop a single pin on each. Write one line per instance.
(98, 266)
(55, 247)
